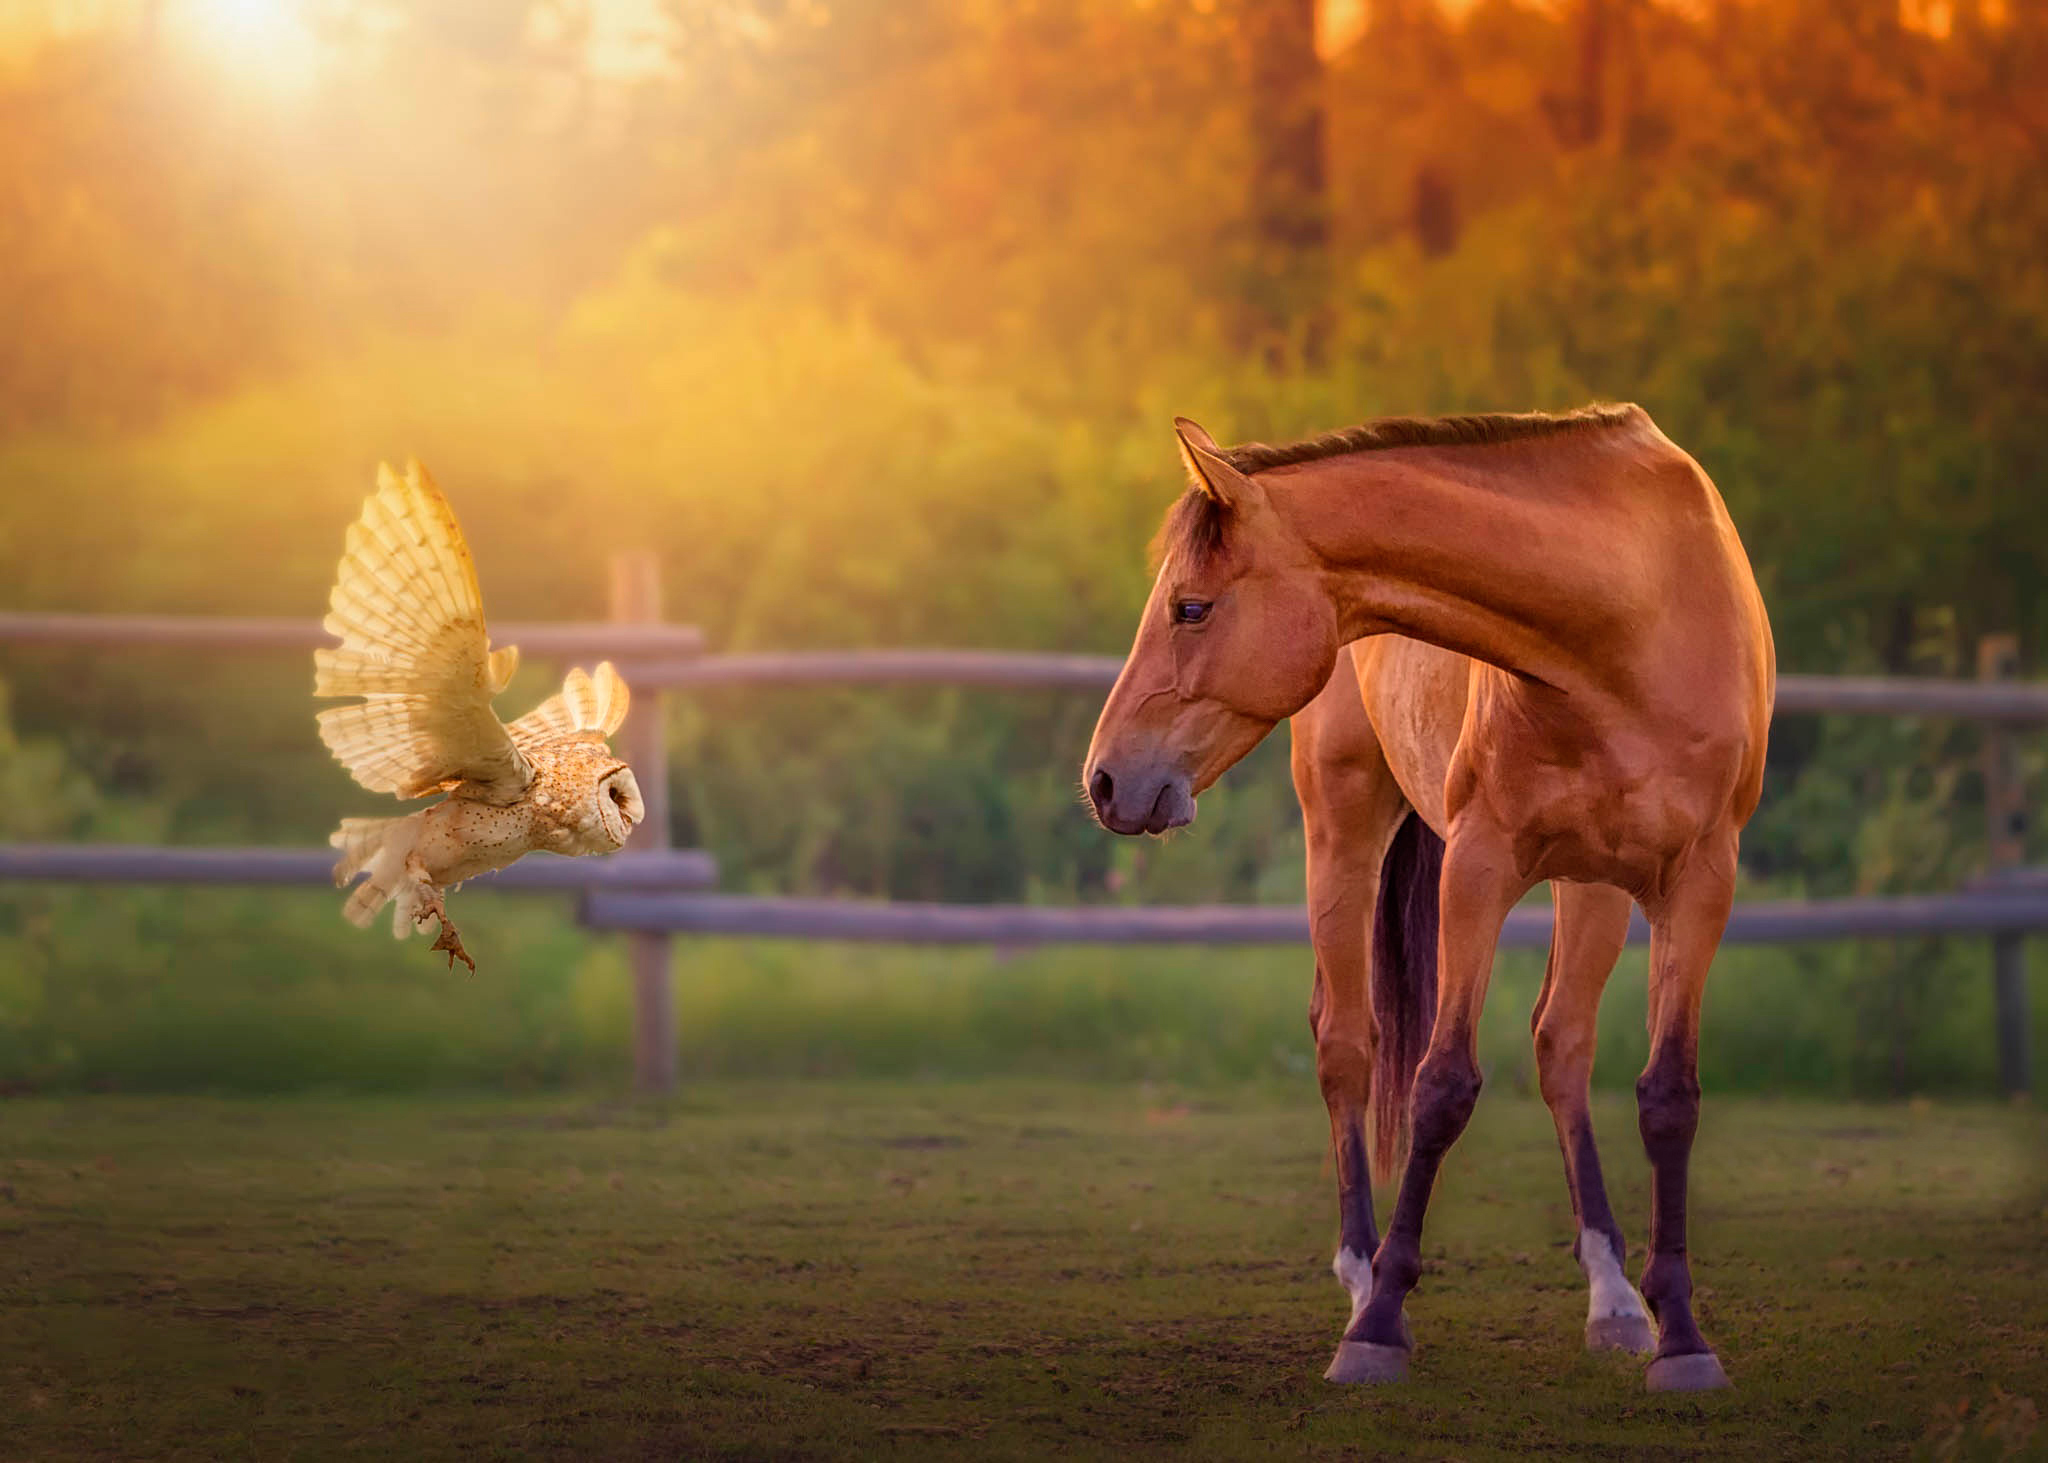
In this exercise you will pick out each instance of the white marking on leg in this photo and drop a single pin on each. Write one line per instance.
(1354, 1273)
(1613, 1298)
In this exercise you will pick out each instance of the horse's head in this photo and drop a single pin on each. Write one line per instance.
(1238, 635)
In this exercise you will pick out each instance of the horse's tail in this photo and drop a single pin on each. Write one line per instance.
(1404, 926)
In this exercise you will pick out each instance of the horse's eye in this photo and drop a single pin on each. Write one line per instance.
(1190, 611)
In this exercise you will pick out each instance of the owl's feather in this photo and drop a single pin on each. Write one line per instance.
(380, 846)
(414, 648)
(587, 702)
(413, 645)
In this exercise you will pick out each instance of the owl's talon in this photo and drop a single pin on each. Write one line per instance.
(431, 908)
(451, 942)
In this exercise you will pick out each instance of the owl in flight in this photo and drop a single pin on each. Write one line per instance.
(411, 623)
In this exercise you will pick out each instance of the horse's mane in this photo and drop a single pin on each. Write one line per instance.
(1195, 526)
(1465, 431)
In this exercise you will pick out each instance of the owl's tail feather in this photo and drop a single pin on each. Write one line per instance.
(380, 846)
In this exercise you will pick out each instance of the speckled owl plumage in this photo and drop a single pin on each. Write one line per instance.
(413, 646)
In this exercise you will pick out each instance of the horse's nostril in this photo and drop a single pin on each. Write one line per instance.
(1100, 787)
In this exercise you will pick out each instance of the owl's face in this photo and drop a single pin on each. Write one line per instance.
(586, 797)
(619, 808)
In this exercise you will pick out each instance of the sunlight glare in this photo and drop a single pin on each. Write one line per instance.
(266, 44)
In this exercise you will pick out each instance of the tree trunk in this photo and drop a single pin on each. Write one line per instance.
(1433, 211)
(1289, 204)
(1590, 94)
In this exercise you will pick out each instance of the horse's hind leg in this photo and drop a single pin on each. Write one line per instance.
(1591, 927)
(1685, 930)
(1350, 808)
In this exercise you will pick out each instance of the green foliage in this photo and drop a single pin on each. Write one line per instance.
(870, 319)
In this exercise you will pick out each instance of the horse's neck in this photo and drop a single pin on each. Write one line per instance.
(1509, 555)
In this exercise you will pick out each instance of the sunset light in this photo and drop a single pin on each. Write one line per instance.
(266, 45)
(774, 515)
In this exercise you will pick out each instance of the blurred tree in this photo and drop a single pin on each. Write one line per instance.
(869, 316)
(138, 267)
(1435, 210)
(1587, 113)
(1289, 207)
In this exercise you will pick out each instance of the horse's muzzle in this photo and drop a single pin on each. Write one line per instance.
(1140, 802)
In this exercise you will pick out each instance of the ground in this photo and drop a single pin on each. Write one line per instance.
(810, 1270)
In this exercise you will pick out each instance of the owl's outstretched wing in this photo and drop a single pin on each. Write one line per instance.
(586, 703)
(413, 646)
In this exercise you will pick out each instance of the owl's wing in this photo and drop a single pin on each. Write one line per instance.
(413, 646)
(586, 703)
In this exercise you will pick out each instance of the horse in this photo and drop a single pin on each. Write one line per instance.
(1560, 670)
(1372, 912)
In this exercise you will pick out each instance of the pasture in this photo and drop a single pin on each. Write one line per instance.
(993, 1269)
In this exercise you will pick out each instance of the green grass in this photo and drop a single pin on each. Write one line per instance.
(269, 992)
(817, 1270)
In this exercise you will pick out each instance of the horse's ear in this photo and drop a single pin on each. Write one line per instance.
(1207, 467)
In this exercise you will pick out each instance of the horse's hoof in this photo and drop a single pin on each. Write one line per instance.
(1362, 1361)
(1621, 1333)
(1699, 1372)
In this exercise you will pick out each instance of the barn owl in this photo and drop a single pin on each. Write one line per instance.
(406, 608)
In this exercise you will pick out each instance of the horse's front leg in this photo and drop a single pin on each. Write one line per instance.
(1590, 928)
(1342, 1022)
(1479, 887)
(1351, 807)
(1685, 931)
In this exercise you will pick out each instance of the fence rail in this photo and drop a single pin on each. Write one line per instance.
(656, 892)
(2013, 703)
(136, 632)
(901, 923)
(110, 863)
(665, 657)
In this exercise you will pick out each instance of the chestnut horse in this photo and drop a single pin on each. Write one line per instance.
(1588, 706)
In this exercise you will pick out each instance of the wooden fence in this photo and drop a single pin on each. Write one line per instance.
(651, 892)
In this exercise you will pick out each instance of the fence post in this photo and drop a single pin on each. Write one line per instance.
(2005, 813)
(636, 598)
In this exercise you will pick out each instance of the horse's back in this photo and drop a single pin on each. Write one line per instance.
(1691, 656)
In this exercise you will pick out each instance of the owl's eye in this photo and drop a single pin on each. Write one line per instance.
(617, 796)
(1191, 611)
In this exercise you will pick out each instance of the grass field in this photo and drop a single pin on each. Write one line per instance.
(812, 1270)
